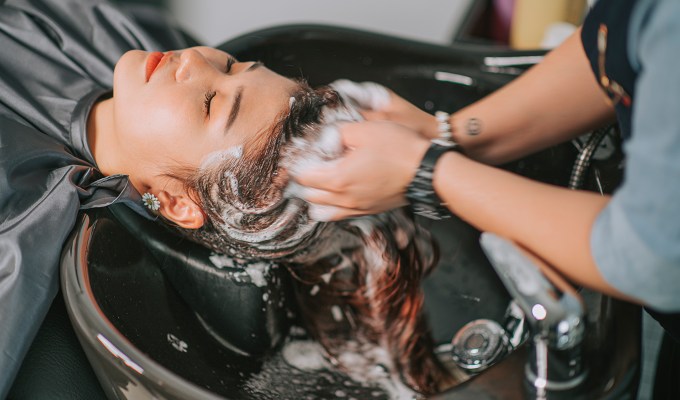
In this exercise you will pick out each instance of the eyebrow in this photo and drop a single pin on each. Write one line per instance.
(235, 108)
(237, 100)
(255, 65)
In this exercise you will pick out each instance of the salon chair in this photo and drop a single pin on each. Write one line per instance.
(160, 317)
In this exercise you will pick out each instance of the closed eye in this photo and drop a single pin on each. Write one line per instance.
(230, 63)
(208, 101)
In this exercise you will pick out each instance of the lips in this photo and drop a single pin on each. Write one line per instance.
(152, 63)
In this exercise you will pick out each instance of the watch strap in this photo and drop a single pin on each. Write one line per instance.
(420, 192)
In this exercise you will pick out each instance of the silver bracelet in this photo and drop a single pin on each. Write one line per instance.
(444, 125)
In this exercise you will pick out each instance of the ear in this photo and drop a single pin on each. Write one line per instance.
(181, 210)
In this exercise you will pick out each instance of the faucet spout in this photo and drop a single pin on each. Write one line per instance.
(554, 311)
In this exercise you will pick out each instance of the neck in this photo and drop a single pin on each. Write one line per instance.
(101, 137)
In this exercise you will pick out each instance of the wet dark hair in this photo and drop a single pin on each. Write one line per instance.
(257, 173)
(369, 269)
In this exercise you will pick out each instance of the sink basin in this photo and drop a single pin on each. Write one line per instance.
(160, 317)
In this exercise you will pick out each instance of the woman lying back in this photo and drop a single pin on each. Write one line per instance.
(87, 119)
(232, 193)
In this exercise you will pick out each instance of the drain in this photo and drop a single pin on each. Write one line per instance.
(478, 345)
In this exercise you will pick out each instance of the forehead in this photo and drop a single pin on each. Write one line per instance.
(265, 98)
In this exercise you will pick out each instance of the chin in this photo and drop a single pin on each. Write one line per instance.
(128, 78)
(129, 70)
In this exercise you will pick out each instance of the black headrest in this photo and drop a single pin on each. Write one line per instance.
(246, 309)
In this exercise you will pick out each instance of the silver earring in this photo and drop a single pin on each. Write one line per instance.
(151, 202)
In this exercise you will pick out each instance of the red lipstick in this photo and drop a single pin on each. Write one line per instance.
(152, 62)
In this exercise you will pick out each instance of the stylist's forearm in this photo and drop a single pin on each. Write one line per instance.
(552, 222)
(552, 102)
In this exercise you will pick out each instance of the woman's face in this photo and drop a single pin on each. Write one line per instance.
(178, 107)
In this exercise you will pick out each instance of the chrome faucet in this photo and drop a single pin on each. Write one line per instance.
(555, 314)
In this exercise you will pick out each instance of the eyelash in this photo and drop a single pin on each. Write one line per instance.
(208, 100)
(230, 63)
(210, 95)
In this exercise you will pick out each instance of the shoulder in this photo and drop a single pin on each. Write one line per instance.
(101, 26)
(653, 23)
(53, 9)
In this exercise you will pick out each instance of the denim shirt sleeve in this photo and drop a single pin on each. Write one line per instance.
(636, 239)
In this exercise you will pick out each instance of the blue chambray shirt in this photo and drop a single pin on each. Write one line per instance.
(636, 238)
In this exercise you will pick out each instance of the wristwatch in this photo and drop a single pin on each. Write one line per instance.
(420, 192)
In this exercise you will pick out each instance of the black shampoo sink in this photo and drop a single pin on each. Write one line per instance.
(160, 317)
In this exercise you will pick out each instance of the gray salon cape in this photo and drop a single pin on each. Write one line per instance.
(56, 60)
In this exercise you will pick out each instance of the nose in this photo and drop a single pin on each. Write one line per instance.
(191, 62)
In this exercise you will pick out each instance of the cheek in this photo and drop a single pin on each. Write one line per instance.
(149, 124)
(161, 128)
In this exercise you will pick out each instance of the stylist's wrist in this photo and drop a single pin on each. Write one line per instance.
(418, 149)
(429, 127)
(444, 171)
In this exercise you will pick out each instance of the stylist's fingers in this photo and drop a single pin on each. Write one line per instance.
(324, 177)
(326, 213)
(333, 176)
(343, 199)
(378, 163)
(359, 134)
(372, 115)
(367, 95)
(329, 207)
(318, 196)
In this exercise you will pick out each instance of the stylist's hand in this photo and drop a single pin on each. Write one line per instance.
(377, 103)
(380, 161)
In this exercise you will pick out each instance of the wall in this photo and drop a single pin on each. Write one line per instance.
(213, 21)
